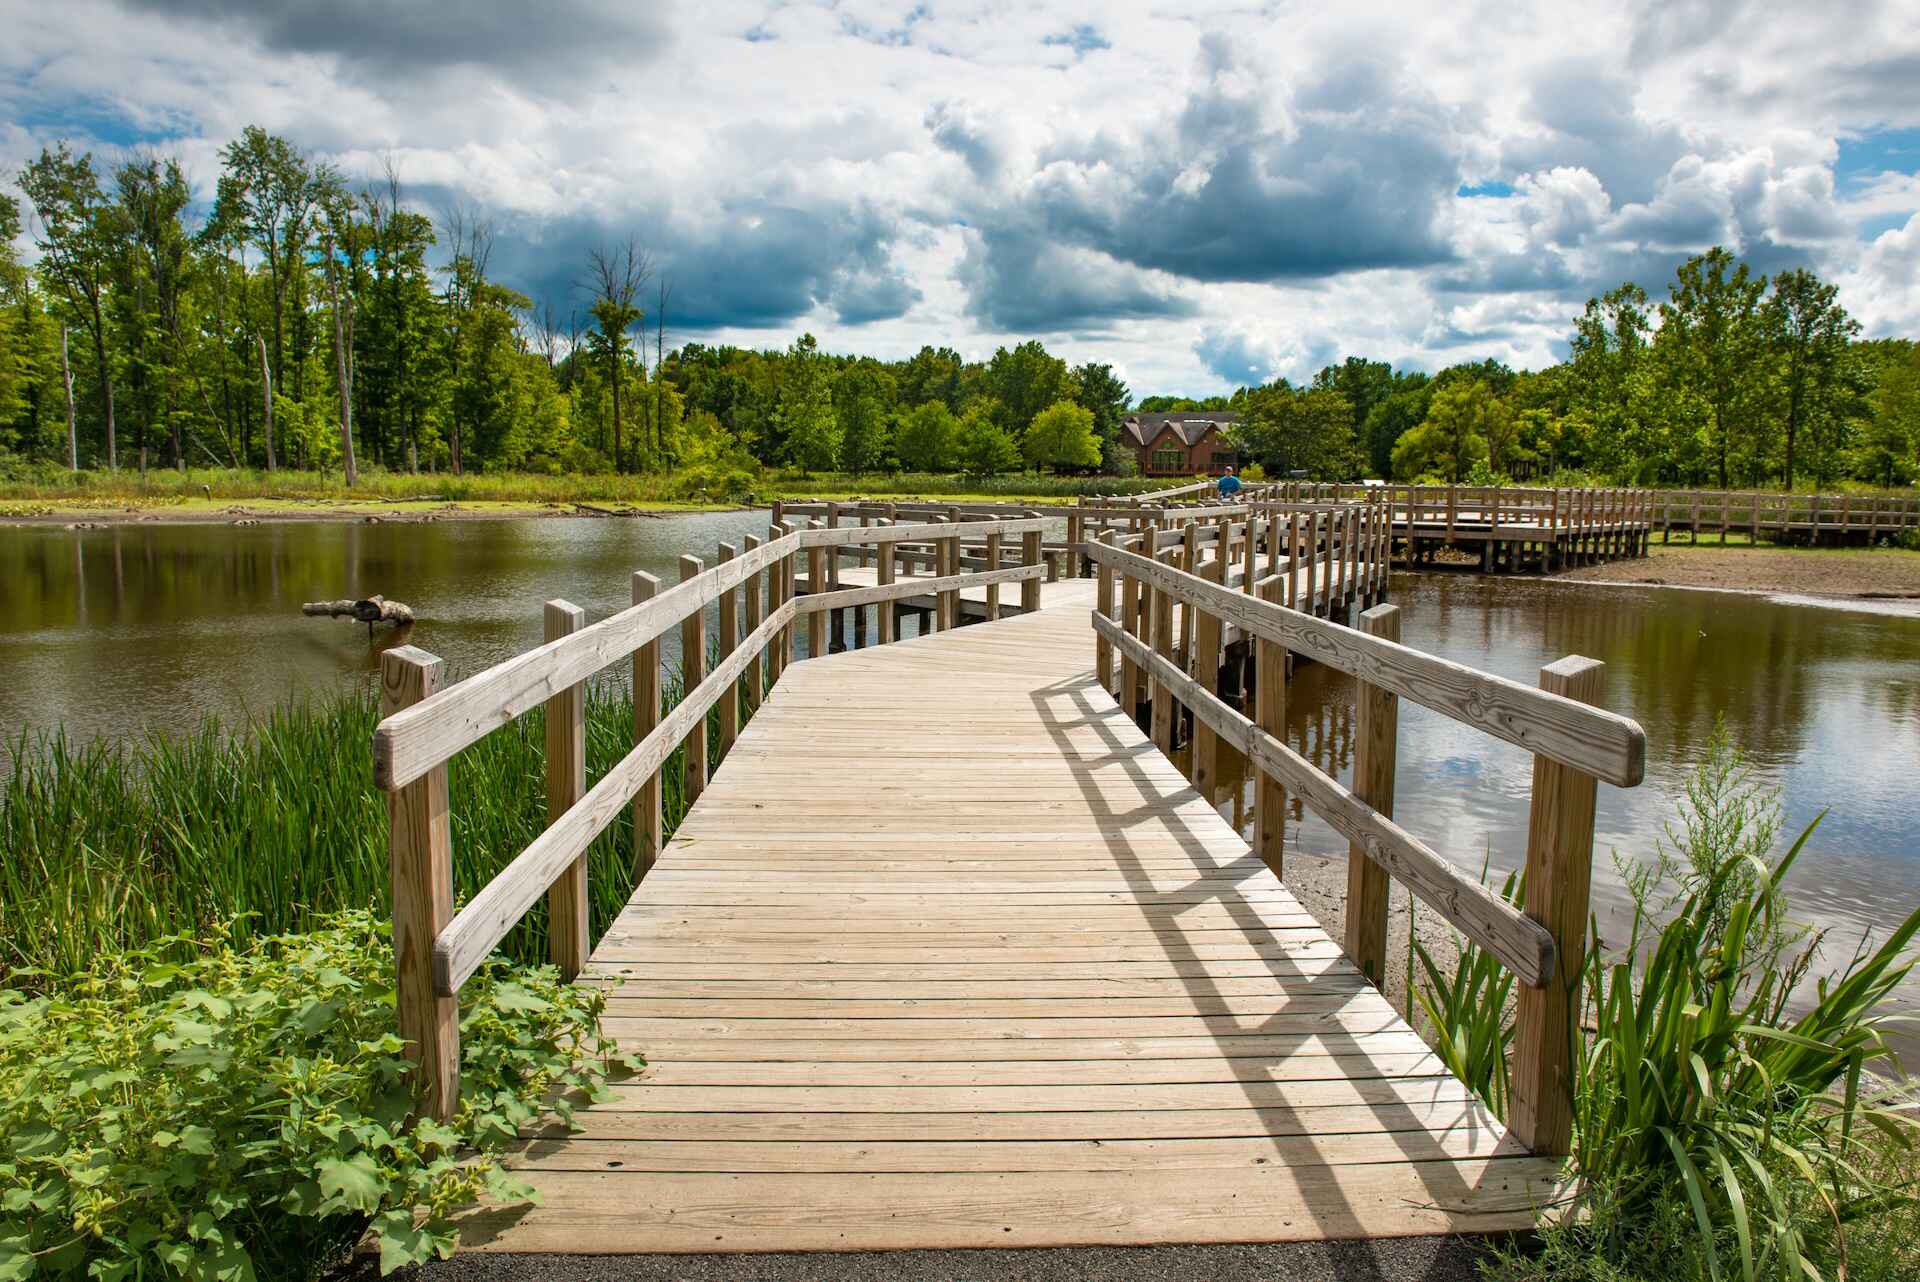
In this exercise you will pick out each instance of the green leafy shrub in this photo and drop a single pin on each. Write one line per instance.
(243, 1112)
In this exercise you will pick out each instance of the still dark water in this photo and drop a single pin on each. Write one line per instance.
(120, 631)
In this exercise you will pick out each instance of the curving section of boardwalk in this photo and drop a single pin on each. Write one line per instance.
(948, 955)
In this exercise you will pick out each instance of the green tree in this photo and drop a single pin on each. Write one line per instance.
(1392, 418)
(925, 439)
(1062, 436)
(1608, 387)
(981, 446)
(1025, 381)
(1811, 338)
(805, 417)
(1452, 438)
(862, 396)
(1712, 339)
(933, 374)
(151, 266)
(267, 194)
(1099, 389)
(615, 276)
(1889, 450)
(76, 244)
(1288, 429)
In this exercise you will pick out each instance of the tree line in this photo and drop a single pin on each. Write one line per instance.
(1733, 380)
(303, 321)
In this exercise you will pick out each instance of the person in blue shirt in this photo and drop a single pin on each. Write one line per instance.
(1229, 484)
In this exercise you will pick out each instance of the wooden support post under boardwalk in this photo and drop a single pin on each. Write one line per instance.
(1376, 736)
(729, 706)
(1270, 714)
(693, 670)
(566, 715)
(1559, 874)
(649, 831)
(420, 856)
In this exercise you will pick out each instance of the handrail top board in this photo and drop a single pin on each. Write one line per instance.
(413, 741)
(1601, 743)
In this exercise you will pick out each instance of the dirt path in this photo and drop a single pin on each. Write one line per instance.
(1834, 572)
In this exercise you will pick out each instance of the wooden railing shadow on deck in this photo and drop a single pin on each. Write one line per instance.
(1575, 746)
(1270, 1095)
(436, 948)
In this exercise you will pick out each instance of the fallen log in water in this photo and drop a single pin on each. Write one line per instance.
(369, 610)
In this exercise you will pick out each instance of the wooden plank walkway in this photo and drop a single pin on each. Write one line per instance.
(948, 955)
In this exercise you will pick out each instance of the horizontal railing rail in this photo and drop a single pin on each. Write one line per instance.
(1574, 745)
(437, 947)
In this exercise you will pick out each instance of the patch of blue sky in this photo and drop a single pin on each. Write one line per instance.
(1877, 151)
(91, 123)
(1490, 189)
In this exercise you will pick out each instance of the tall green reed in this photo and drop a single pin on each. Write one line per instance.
(272, 826)
(1698, 1088)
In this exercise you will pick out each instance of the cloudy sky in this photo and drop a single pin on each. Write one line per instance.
(1204, 195)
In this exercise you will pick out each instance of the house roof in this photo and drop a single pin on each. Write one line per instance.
(1191, 426)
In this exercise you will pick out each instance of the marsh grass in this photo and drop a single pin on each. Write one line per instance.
(273, 827)
(162, 487)
(1727, 1123)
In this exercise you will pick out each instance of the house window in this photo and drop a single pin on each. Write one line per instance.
(1223, 458)
(1168, 460)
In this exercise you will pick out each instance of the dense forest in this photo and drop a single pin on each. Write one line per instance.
(302, 321)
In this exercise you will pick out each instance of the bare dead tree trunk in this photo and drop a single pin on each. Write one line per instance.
(266, 396)
(341, 374)
(73, 440)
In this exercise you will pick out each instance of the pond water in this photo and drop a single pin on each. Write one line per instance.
(152, 627)
(1825, 702)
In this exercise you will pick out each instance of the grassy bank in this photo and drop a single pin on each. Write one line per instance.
(115, 845)
(207, 491)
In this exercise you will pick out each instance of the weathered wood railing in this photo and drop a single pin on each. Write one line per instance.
(436, 947)
(1575, 747)
(1843, 516)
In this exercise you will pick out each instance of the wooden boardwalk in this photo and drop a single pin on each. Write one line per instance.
(949, 955)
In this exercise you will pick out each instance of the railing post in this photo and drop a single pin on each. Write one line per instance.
(754, 678)
(649, 831)
(729, 638)
(566, 715)
(789, 568)
(420, 855)
(1163, 646)
(1103, 604)
(1129, 695)
(1559, 873)
(1030, 557)
(693, 670)
(816, 584)
(1076, 530)
(1376, 736)
(1206, 672)
(1270, 714)
(833, 554)
(883, 575)
(993, 563)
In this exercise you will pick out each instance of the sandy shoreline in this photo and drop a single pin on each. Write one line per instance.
(1861, 574)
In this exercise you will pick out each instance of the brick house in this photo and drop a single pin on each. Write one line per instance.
(1183, 443)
